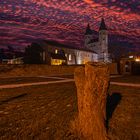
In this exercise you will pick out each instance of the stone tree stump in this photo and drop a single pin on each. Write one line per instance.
(92, 83)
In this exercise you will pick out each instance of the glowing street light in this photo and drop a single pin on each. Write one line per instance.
(137, 59)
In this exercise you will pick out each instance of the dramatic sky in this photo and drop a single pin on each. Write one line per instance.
(24, 21)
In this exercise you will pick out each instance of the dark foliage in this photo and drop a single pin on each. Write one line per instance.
(33, 54)
(1, 54)
(136, 68)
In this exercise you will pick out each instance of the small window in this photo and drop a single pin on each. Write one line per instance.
(56, 51)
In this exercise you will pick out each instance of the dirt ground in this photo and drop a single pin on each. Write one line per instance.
(45, 112)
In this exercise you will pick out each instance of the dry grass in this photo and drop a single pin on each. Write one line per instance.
(45, 112)
(125, 123)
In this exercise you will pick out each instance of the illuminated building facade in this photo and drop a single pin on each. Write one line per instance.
(130, 65)
(58, 54)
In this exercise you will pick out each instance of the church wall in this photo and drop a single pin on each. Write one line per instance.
(73, 56)
(70, 55)
(83, 57)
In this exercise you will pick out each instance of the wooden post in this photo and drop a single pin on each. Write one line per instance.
(92, 84)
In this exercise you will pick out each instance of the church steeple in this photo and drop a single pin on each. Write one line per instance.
(103, 25)
(88, 30)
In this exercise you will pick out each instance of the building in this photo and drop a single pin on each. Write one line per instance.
(95, 50)
(130, 64)
(11, 56)
(18, 60)
(100, 44)
(59, 54)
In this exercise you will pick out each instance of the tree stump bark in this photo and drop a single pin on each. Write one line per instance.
(92, 83)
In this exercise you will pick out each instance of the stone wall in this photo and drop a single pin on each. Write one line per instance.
(42, 69)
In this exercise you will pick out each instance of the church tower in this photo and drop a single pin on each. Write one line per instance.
(103, 41)
(88, 35)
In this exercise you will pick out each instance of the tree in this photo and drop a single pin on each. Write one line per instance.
(33, 54)
(2, 55)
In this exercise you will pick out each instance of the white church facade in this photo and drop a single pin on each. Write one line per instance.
(95, 50)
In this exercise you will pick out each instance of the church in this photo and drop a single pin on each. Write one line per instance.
(95, 50)
(100, 44)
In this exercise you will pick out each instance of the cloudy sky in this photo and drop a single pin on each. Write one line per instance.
(25, 21)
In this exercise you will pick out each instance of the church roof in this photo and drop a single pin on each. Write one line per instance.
(88, 30)
(57, 44)
(103, 25)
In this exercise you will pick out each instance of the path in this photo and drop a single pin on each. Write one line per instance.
(125, 84)
(61, 80)
(34, 84)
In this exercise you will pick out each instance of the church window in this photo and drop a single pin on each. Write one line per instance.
(44, 56)
(56, 51)
(70, 57)
(66, 55)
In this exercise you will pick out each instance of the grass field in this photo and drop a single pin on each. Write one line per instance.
(124, 122)
(127, 79)
(44, 112)
(41, 112)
